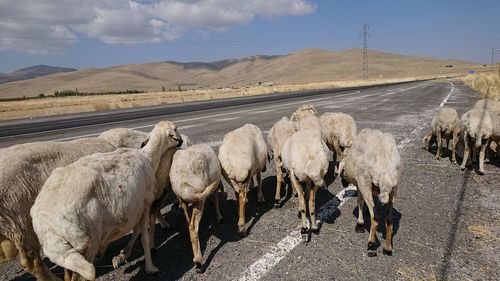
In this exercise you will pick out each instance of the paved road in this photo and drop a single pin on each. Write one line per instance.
(446, 220)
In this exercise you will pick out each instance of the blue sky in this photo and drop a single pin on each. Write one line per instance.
(100, 34)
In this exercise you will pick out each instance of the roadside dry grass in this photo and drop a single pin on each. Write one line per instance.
(488, 84)
(64, 105)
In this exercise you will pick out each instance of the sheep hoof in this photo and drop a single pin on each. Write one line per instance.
(437, 157)
(360, 228)
(372, 249)
(117, 261)
(304, 232)
(315, 231)
(152, 271)
(481, 173)
(387, 252)
(198, 267)
(242, 234)
(454, 162)
(462, 168)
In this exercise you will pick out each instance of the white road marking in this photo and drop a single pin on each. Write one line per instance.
(448, 96)
(263, 265)
(133, 128)
(226, 119)
(408, 138)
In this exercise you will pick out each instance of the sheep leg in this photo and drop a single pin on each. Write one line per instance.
(312, 209)
(146, 243)
(481, 159)
(426, 140)
(102, 252)
(372, 239)
(260, 194)
(33, 263)
(242, 199)
(193, 233)
(387, 250)
(302, 207)
(439, 144)
(215, 201)
(454, 148)
(8, 250)
(474, 153)
(360, 226)
(338, 151)
(125, 253)
(466, 152)
(279, 181)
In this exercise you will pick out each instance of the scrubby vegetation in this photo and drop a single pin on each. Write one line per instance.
(71, 93)
(488, 84)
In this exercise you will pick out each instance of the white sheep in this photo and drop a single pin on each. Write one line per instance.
(278, 134)
(303, 111)
(131, 138)
(340, 131)
(444, 124)
(25, 167)
(373, 165)
(493, 108)
(195, 175)
(86, 205)
(305, 157)
(242, 155)
(476, 130)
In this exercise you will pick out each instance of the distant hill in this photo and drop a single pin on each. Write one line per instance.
(305, 66)
(32, 72)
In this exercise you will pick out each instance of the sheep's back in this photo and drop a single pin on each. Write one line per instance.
(279, 133)
(374, 157)
(25, 168)
(195, 167)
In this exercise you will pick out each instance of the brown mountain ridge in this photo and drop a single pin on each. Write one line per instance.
(305, 66)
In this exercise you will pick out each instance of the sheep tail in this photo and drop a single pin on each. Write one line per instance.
(60, 251)
(386, 185)
(194, 197)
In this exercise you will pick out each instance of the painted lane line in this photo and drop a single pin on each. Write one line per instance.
(270, 259)
(260, 268)
(133, 128)
(448, 96)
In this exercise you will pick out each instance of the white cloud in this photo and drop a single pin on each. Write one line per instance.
(48, 26)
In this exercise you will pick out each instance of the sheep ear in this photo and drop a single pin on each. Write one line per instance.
(145, 142)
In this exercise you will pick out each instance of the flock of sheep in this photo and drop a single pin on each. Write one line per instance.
(476, 131)
(72, 199)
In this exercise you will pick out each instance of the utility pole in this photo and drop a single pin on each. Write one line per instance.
(365, 36)
(493, 53)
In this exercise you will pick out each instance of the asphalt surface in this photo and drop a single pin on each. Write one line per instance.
(446, 220)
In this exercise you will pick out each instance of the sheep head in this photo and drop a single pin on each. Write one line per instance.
(166, 133)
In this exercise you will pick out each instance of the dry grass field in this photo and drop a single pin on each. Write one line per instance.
(488, 84)
(64, 105)
(304, 70)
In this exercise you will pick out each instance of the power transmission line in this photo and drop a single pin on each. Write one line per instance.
(365, 36)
